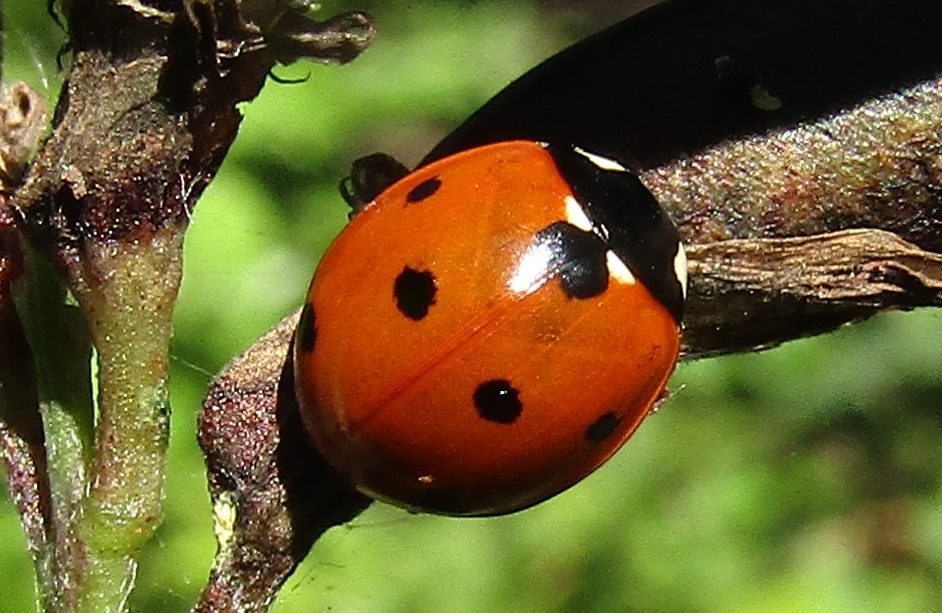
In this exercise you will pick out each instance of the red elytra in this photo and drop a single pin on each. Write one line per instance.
(472, 345)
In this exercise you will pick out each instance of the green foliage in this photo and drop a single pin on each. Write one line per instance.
(802, 478)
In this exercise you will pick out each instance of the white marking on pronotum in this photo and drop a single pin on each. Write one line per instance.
(618, 270)
(575, 215)
(602, 162)
(680, 268)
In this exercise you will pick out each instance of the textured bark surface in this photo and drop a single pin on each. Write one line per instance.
(274, 495)
(836, 219)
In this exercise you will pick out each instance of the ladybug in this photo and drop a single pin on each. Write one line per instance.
(490, 329)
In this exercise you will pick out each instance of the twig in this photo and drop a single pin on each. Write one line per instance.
(146, 116)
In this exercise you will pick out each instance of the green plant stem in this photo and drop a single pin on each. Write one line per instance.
(21, 436)
(61, 350)
(127, 293)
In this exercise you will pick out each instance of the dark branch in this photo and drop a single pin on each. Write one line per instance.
(274, 495)
(875, 167)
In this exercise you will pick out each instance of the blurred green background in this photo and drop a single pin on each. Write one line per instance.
(805, 478)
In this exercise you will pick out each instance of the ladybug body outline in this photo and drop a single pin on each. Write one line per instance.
(486, 333)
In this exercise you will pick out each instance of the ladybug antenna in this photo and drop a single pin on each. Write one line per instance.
(284, 81)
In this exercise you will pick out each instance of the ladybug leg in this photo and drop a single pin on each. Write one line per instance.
(663, 397)
(370, 176)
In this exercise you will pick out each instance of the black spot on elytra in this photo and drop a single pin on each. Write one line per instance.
(498, 401)
(414, 291)
(602, 428)
(423, 190)
(577, 258)
(307, 329)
